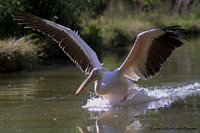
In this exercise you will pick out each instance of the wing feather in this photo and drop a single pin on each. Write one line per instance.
(150, 51)
(71, 43)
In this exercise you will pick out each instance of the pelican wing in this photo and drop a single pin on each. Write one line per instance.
(71, 43)
(150, 51)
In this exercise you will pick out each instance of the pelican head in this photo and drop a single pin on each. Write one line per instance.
(95, 74)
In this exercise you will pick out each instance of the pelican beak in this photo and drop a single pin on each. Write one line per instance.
(92, 77)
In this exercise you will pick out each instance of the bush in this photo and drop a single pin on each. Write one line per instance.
(92, 36)
(18, 55)
(116, 37)
(64, 12)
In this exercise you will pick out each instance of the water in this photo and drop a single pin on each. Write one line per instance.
(44, 101)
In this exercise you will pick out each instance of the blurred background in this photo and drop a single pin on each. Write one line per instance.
(103, 24)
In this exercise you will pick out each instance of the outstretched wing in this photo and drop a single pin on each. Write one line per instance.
(71, 43)
(150, 51)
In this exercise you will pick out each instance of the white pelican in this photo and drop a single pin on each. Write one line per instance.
(151, 50)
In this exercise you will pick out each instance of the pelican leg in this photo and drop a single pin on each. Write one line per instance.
(132, 91)
(125, 97)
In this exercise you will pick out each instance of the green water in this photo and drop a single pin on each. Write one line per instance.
(44, 101)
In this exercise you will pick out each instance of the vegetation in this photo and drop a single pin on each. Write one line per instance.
(18, 55)
(64, 12)
(122, 21)
(101, 23)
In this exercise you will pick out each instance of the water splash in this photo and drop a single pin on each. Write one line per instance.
(154, 98)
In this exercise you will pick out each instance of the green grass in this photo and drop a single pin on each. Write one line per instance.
(117, 30)
(18, 55)
(189, 21)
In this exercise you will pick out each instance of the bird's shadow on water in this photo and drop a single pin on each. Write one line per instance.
(114, 118)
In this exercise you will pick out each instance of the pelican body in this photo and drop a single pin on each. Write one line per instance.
(150, 51)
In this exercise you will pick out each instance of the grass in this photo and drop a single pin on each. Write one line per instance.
(188, 21)
(117, 30)
(18, 55)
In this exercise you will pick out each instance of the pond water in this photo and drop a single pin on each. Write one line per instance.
(44, 101)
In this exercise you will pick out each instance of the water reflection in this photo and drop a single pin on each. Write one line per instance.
(122, 119)
(118, 120)
(14, 87)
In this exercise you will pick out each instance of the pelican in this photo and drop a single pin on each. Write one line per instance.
(150, 51)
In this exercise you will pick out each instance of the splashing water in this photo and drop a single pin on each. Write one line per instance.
(155, 98)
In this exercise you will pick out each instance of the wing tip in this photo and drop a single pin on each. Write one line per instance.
(163, 48)
(176, 29)
(164, 43)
